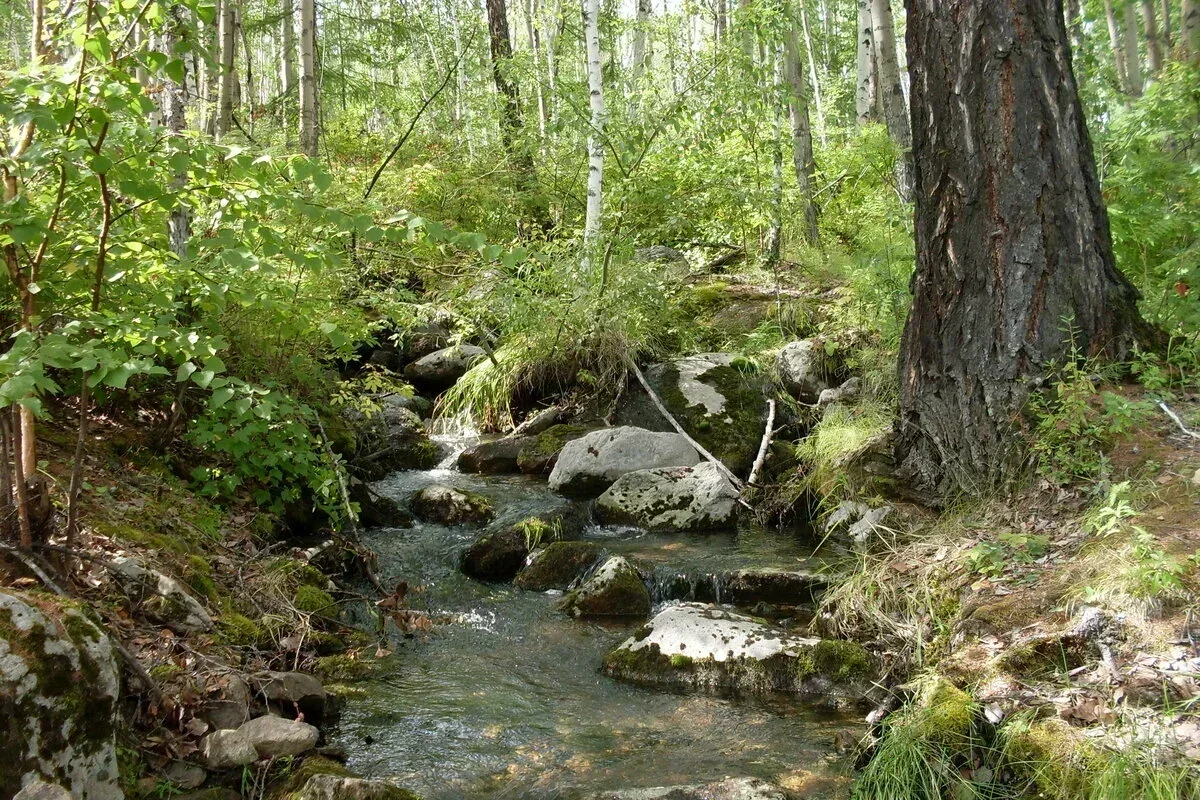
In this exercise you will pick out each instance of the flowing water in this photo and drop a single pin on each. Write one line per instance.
(507, 700)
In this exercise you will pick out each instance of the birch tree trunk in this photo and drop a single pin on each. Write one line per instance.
(212, 71)
(308, 78)
(1168, 41)
(287, 75)
(1133, 61)
(802, 145)
(1154, 42)
(1075, 25)
(812, 73)
(1012, 238)
(535, 44)
(721, 23)
(595, 140)
(1114, 41)
(774, 243)
(641, 33)
(179, 223)
(866, 88)
(1189, 27)
(228, 77)
(895, 110)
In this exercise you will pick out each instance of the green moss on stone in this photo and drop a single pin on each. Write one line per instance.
(312, 600)
(679, 661)
(733, 434)
(342, 667)
(558, 565)
(292, 788)
(538, 456)
(1053, 757)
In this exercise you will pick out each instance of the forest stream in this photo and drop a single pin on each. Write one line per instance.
(506, 698)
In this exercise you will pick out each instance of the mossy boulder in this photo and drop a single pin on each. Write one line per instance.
(717, 398)
(1052, 757)
(385, 439)
(59, 691)
(670, 499)
(705, 647)
(376, 510)
(496, 457)
(319, 778)
(449, 506)
(496, 555)
(614, 589)
(539, 453)
(557, 565)
(159, 597)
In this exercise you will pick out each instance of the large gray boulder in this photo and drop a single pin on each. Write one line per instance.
(803, 370)
(670, 499)
(728, 789)
(441, 369)
(717, 399)
(160, 598)
(276, 736)
(386, 438)
(227, 749)
(614, 589)
(495, 457)
(59, 691)
(592, 463)
(705, 647)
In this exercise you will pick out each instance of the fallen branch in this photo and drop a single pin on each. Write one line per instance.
(662, 409)
(1167, 410)
(42, 571)
(766, 442)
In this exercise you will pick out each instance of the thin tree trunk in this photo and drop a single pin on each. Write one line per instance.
(535, 44)
(1154, 43)
(228, 79)
(555, 33)
(1011, 238)
(866, 88)
(1133, 61)
(1189, 26)
(774, 243)
(641, 33)
(212, 71)
(812, 73)
(287, 25)
(721, 23)
(1167, 39)
(308, 78)
(802, 145)
(895, 109)
(1075, 25)
(746, 28)
(1114, 41)
(595, 140)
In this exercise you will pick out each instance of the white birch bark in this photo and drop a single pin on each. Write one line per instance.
(774, 243)
(802, 145)
(1114, 41)
(895, 108)
(228, 78)
(641, 34)
(812, 74)
(179, 223)
(865, 85)
(1133, 61)
(1154, 42)
(287, 74)
(308, 77)
(535, 44)
(595, 141)
(1189, 28)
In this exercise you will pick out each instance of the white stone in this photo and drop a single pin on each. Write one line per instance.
(226, 749)
(276, 736)
(671, 499)
(595, 461)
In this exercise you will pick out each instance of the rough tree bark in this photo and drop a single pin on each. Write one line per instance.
(895, 111)
(802, 145)
(308, 77)
(595, 141)
(1154, 43)
(866, 87)
(1015, 269)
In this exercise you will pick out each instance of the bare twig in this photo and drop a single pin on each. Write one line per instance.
(1167, 410)
(766, 442)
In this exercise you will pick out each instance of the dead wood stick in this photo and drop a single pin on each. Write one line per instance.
(766, 442)
(662, 409)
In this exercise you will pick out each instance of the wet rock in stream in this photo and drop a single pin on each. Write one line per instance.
(594, 462)
(705, 647)
(728, 789)
(615, 589)
(557, 565)
(449, 506)
(670, 499)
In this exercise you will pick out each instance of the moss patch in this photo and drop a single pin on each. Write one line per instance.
(538, 456)
(1053, 757)
(558, 565)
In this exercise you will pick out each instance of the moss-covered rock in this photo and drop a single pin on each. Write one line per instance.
(449, 506)
(539, 453)
(696, 646)
(615, 589)
(670, 499)
(388, 438)
(59, 689)
(714, 396)
(322, 779)
(160, 597)
(1052, 757)
(318, 602)
(557, 565)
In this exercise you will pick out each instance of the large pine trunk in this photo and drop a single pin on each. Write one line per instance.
(1015, 269)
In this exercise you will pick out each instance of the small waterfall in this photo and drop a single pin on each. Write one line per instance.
(667, 584)
(454, 435)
